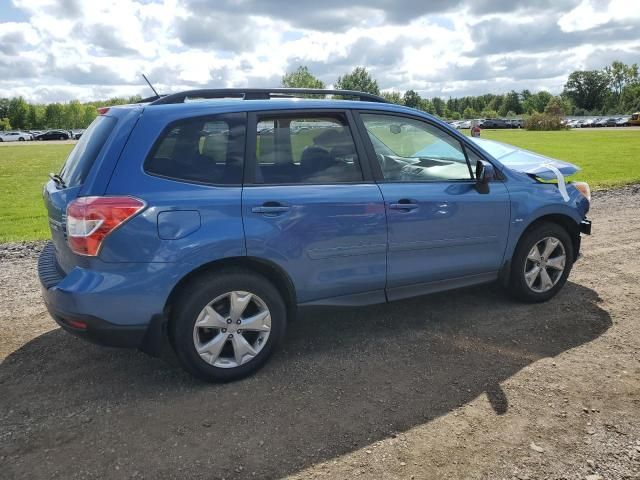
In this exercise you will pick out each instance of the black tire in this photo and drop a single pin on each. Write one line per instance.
(63, 138)
(199, 293)
(21, 139)
(518, 286)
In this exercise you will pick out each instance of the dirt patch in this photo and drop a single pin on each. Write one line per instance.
(467, 384)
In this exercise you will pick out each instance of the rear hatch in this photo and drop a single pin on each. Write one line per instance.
(67, 185)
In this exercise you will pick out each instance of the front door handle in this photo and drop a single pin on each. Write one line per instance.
(271, 208)
(404, 204)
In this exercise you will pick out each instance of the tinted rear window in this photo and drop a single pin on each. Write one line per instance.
(202, 150)
(81, 159)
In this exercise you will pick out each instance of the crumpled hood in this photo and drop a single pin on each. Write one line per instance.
(524, 160)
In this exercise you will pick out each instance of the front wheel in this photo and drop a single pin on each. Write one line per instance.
(225, 325)
(541, 263)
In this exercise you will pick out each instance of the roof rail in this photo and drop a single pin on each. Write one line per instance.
(261, 94)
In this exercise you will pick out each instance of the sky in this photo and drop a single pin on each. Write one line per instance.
(59, 50)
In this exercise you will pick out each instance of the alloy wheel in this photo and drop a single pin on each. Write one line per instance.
(232, 329)
(545, 264)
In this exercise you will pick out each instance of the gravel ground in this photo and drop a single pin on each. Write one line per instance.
(467, 384)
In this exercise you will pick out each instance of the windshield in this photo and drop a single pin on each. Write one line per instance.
(495, 149)
(81, 159)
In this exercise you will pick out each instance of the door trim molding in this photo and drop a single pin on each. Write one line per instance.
(346, 251)
(441, 243)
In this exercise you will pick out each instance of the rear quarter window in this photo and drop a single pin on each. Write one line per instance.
(84, 154)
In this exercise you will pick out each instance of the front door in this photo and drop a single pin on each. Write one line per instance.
(308, 209)
(442, 231)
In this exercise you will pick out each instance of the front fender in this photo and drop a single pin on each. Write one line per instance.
(532, 202)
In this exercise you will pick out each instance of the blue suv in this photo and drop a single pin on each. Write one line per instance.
(208, 217)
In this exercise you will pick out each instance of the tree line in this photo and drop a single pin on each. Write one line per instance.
(614, 89)
(611, 90)
(18, 114)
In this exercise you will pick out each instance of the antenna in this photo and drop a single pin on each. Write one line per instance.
(147, 80)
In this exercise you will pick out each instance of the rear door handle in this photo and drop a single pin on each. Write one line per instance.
(271, 207)
(404, 204)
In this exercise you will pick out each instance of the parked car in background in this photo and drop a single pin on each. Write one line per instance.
(465, 124)
(494, 123)
(515, 123)
(164, 231)
(15, 136)
(54, 135)
(623, 121)
(76, 134)
(606, 122)
(634, 120)
(589, 122)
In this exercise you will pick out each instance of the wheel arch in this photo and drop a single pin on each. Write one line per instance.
(565, 221)
(271, 271)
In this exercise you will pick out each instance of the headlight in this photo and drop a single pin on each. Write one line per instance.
(583, 188)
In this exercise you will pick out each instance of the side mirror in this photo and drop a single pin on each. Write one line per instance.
(395, 128)
(484, 174)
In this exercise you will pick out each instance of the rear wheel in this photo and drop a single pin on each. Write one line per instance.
(226, 325)
(21, 139)
(541, 263)
(62, 137)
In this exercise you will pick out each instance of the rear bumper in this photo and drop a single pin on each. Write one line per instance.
(109, 309)
(100, 331)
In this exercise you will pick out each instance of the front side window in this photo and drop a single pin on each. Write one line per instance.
(305, 149)
(410, 150)
(202, 150)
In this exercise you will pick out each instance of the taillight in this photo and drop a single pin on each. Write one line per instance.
(91, 219)
(102, 110)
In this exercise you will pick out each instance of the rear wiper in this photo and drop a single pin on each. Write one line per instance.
(58, 179)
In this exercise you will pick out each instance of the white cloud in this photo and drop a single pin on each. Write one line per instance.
(591, 13)
(78, 49)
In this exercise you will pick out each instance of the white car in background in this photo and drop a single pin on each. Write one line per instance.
(16, 136)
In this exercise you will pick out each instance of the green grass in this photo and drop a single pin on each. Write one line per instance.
(23, 172)
(608, 158)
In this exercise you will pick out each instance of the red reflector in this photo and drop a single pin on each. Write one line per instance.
(76, 324)
(91, 219)
(102, 110)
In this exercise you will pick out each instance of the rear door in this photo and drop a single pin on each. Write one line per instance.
(309, 207)
(441, 229)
